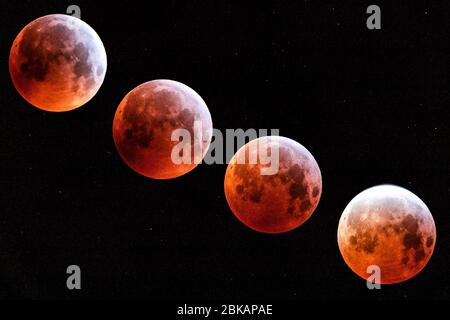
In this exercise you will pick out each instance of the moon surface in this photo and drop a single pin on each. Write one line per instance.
(390, 227)
(144, 123)
(279, 202)
(57, 63)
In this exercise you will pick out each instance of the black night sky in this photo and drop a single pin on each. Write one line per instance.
(371, 106)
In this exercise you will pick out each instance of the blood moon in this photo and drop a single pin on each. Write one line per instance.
(278, 202)
(145, 121)
(57, 63)
(390, 227)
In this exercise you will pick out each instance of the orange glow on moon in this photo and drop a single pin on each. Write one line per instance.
(57, 63)
(274, 203)
(144, 123)
(390, 227)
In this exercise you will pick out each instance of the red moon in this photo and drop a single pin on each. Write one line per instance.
(57, 63)
(273, 203)
(144, 123)
(390, 227)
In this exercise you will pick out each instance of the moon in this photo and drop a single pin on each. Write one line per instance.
(57, 63)
(144, 123)
(390, 227)
(279, 202)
